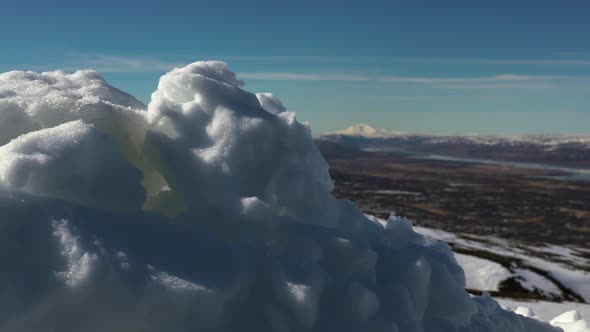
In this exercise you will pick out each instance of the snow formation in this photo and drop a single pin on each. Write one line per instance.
(208, 210)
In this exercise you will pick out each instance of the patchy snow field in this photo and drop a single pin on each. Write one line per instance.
(554, 272)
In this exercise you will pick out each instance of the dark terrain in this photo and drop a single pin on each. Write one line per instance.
(525, 204)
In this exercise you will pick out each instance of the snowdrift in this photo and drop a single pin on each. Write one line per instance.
(208, 210)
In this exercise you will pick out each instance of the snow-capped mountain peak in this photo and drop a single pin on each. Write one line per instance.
(365, 130)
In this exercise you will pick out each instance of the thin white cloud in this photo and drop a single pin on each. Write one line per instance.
(524, 62)
(494, 86)
(123, 64)
(550, 62)
(286, 76)
(71, 60)
(485, 82)
(445, 80)
(106, 63)
(115, 63)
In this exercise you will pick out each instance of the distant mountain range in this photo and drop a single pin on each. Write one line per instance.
(563, 150)
(363, 130)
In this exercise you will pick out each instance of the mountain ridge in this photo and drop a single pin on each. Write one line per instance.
(366, 131)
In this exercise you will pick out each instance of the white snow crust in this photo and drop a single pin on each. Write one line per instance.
(208, 210)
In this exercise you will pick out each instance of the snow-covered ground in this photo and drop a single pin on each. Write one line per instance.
(547, 310)
(534, 281)
(568, 316)
(482, 274)
(534, 266)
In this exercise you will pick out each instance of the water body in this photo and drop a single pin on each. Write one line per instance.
(393, 192)
(569, 173)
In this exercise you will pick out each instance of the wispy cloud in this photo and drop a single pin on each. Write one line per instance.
(123, 64)
(522, 62)
(494, 86)
(485, 82)
(106, 63)
(446, 80)
(117, 63)
(287, 76)
(72, 60)
(549, 62)
(293, 76)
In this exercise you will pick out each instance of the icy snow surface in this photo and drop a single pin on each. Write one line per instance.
(209, 210)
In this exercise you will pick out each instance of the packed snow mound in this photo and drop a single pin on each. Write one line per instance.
(31, 101)
(209, 210)
(46, 163)
(216, 144)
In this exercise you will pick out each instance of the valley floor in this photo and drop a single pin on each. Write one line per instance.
(520, 234)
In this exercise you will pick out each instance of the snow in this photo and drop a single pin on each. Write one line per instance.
(208, 210)
(46, 163)
(571, 321)
(524, 311)
(79, 262)
(547, 310)
(575, 279)
(482, 274)
(531, 281)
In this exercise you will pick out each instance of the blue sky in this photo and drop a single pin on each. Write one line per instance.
(418, 66)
